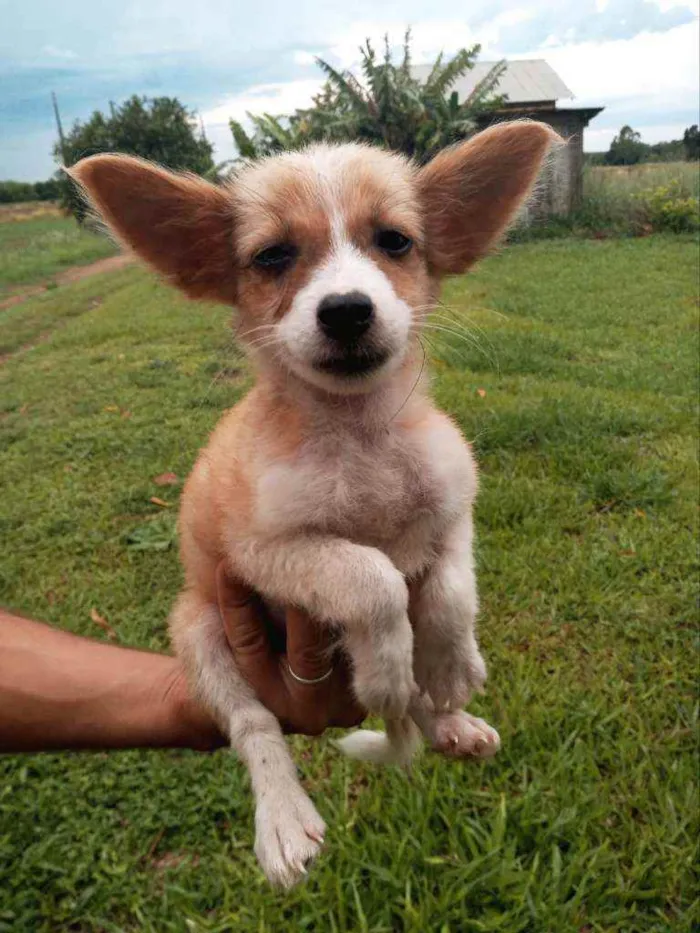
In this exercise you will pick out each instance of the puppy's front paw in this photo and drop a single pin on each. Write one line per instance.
(383, 678)
(451, 671)
(289, 835)
(459, 735)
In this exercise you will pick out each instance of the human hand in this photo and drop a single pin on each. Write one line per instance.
(300, 706)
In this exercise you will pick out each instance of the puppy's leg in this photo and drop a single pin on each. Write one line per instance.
(288, 830)
(356, 587)
(456, 734)
(447, 661)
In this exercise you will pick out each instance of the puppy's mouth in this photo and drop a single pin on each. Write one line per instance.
(353, 362)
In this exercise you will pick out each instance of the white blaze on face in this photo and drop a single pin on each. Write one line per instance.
(345, 268)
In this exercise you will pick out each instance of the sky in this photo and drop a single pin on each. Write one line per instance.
(637, 58)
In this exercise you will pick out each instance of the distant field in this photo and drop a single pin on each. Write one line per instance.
(633, 179)
(576, 379)
(28, 209)
(37, 242)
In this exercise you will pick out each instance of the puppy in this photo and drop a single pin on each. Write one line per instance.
(335, 485)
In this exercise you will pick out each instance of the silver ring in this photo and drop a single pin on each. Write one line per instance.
(305, 680)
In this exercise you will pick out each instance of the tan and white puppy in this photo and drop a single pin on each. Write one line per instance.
(335, 485)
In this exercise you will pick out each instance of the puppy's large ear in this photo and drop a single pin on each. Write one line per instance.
(471, 192)
(180, 224)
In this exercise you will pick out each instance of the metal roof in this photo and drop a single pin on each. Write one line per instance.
(523, 82)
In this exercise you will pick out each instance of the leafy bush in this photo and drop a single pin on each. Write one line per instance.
(667, 207)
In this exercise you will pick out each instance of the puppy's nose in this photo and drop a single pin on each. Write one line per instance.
(345, 318)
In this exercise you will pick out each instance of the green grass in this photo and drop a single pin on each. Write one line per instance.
(34, 249)
(578, 384)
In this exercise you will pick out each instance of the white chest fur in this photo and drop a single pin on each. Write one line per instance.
(399, 489)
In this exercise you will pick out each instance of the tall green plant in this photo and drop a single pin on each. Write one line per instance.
(386, 106)
(161, 129)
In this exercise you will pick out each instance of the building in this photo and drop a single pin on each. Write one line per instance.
(532, 89)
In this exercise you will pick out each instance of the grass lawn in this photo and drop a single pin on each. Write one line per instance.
(578, 385)
(34, 246)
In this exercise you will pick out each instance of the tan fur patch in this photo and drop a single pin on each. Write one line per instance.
(298, 198)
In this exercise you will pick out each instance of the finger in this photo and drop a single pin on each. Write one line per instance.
(230, 590)
(245, 627)
(349, 716)
(243, 624)
(309, 646)
(309, 657)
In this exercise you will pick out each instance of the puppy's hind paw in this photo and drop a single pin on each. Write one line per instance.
(460, 735)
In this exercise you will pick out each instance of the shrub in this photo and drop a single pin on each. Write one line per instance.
(667, 207)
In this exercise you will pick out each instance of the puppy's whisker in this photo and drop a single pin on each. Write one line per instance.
(460, 335)
(462, 319)
(464, 335)
(254, 330)
(469, 327)
(428, 315)
(413, 387)
(263, 343)
(438, 351)
(460, 312)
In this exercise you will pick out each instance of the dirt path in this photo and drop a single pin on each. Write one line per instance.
(68, 277)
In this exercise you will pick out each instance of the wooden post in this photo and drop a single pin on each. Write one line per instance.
(59, 127)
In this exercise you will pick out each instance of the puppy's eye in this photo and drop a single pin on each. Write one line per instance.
(276, 258)
(392, 242)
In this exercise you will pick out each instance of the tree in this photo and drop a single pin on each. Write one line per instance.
(691, 143)
(13, 192)
(161, 129)
(388, 107)
(626, 148)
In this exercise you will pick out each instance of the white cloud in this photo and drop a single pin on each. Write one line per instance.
(275, 99)
(598, 140)
(638, 81)
(301, 57)
(428, 38)
(54, 52)
(263, 98)
(692, 5)
(660, 66)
